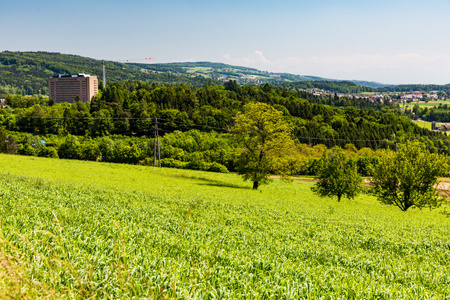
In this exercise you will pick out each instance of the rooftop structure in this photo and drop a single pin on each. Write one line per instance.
(65, 88)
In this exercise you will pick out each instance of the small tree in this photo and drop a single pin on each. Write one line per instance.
(337, 175)
(265, 136)
(408, 177)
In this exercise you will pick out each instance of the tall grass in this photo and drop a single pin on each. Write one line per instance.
(73, 229)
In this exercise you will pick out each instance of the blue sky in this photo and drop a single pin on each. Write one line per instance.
(386, 41)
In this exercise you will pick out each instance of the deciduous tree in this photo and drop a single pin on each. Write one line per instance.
(337, 175)
(265, 135)
(409, 177)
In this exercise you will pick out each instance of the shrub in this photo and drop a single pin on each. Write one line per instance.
(216, 167)
(47, 152)
(172, 163)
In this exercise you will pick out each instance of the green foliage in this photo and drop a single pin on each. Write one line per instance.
(264, 136)
(216, 167)
(26, 149)
(337, 175)
(128, 108)
(3, 138)
(345, 87)
(126, 112)
(366, 164)
(409, 177)
(8, 142)
(171, 163)
(407, 88)
(50, 152)
(70, 148)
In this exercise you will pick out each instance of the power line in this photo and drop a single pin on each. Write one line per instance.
(127, 118)
(192, 124)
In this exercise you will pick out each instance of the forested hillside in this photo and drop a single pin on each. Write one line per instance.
(27, 73)
(345, 87)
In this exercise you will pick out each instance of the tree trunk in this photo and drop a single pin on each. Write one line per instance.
(339, 198)
(255, 185)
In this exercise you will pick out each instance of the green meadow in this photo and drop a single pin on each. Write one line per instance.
(74, 229)
(429, 104)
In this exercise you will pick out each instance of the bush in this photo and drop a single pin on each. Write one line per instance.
(171, 163)
(26, 150)
(47, 152)
(216, 167)
(70, 148)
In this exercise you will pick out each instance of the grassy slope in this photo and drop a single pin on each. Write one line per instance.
(207, 235)
(424, 124)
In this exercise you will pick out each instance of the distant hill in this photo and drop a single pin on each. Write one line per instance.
(224, 72)
(28, 72)
(371, 84)
(345, 87)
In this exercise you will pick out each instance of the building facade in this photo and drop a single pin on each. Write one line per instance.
(65, 88)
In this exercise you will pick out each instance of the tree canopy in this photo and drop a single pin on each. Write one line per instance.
(337, 175)
(409, 177)
(265, 135)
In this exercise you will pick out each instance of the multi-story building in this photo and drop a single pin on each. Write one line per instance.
(65, 88)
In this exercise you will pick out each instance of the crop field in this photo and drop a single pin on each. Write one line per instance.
(74, 229)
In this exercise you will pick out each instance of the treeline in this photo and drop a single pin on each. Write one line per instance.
(344, 87)
(193, 149)
(439, 113)
(208, 151)
(406, 88)
(130, 108)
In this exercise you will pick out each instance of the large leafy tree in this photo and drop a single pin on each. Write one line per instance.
(337, 175)
(409, 177)
(265, 136)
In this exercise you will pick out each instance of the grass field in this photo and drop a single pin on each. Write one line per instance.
(429, 103)
(199, 70)
(73, 229)
(425, 124)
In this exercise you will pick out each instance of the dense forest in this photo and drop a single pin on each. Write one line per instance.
(129, 108)
(345, 87)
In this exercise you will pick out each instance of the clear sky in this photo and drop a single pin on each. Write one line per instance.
(395, 41)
